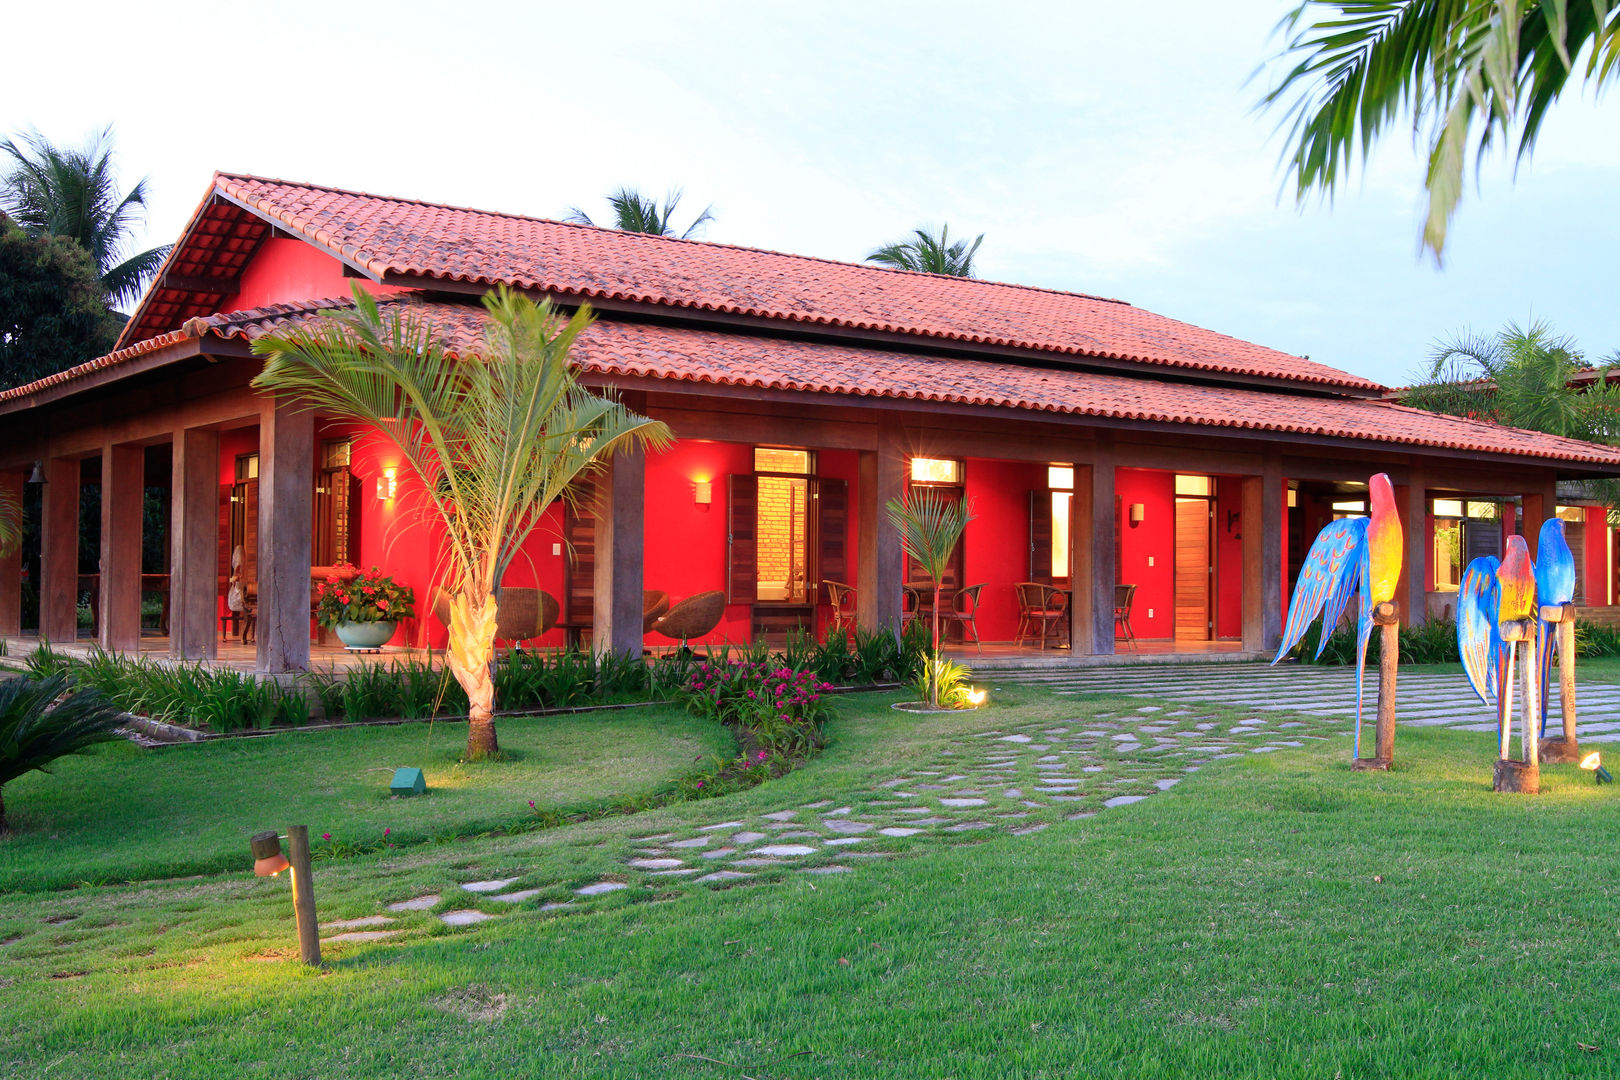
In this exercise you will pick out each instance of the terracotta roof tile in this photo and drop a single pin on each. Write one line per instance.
(425, 241)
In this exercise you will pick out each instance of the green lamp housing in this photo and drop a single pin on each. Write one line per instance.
(408, 782)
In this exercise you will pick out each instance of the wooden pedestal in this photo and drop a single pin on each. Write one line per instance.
(1517, 777)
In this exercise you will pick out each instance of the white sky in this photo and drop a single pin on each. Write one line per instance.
(1101, 147)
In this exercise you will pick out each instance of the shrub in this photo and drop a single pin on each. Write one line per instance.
(949, 679)
(1432, 642)
(367, 598)
(783, 709)
(47, 718)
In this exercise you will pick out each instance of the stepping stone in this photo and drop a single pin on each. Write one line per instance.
(953, 778)
(1016, 738)
(823, 869)
(913, 810)
(968, 825)
(517, 897)
(655, 864)
(758, 862)
(420, 903)
(800, 834)
(932, 787)
(930, 821)
(781, 815)
(1010, 817)
(675, 873)
(1269, 749)
(557, 905)
(1058, 781)
(601, 887)
(1151, 708)
(696, 841)
(842, 810)
(352, 924)
(722, 825)
(1068, 798)
(1081, 815)
(464, 917)
(961, 802)
(898, 830)
(1123, 800)
(1034, 805)
(1093, 768)
(784, 849)
(1012, 793)
(724, 875)
(718, 852)
(840, 841)
(360, 935)
(848, 827)
(893, 783)
(489, 886)
(1167, 784)
(1030, 829)
(748, 838)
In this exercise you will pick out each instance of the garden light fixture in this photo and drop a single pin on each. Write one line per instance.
(268, 861)
(1593, 763)
(976, 698)
(38, 475)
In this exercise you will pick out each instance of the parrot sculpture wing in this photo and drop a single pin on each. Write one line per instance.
(1555, 585)
(1349, 555)
(1516, 602)
(1479, 639)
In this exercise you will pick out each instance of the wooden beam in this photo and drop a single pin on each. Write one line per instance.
(194, 545)
(620, 538)
(1539, 503)
(123, 490)
(286, 509)
(1273, 506)
(59, 552)
(743, 427)
(11, 482)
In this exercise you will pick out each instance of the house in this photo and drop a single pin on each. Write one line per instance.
(1100, 445)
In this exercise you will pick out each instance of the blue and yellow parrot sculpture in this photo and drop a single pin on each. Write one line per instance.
(1555, 586)
(1358, 554)
(1492, 594)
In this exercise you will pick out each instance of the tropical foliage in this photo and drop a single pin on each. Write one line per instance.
(492, 439)
(930, 527)
(1468, 75)
(362, 598)
(45, 719)
(929, 254)
(72, 192)
(635, 212)
(53, 309)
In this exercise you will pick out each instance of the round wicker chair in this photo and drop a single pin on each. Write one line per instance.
(520, 613)
(654, 602)
(693, 617)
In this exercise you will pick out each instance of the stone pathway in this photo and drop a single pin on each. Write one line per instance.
(1424, 699)
(1013, 781)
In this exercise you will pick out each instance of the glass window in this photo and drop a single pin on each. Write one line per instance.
(247, 467)
(1448, 552)
(784, 551)
(335, 454)
(1060, 533)
(1350, 506)
(1193, 485)
(1060, 477)
(926, 470)
(1572, 513)
(1483, 511)
(1452, 508)
(769, 459)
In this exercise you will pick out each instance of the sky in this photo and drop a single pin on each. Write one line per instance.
(1106, 148)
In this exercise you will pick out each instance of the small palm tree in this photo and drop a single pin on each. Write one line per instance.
(493, 438)
(930, 254)
(45, 719)
(930, 527)
(51, 191)
(635, 212)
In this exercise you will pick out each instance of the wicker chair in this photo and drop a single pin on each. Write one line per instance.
(1041, 611)
(963, 608)
(1124, 597)
(654, 602)
(521, 614)
(842, 599)
(693, 617)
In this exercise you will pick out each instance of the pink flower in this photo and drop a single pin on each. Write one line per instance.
(700, 783)
(761, 755)
(382, 605)
(326, 836)
(531, 804)
(387, 831)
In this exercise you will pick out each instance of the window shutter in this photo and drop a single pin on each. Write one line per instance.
(225, 491)
(832, 525)
(742, 540)
(579, 537)
(1040, 536)
(1481, 536)
(250, 532)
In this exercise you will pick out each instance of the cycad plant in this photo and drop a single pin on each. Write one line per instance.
(635, 212)
(930, 254)
(930, 527)
(45, 719)
(493, 437)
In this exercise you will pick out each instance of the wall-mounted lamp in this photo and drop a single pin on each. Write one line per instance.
(38, 475)
(1138, 514)
(1232, 519)
(702, 492)
(268, 861)
(1593, 763)
(386, 485)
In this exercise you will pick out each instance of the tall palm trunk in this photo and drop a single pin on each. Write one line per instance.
(933, 660)
(471, 655)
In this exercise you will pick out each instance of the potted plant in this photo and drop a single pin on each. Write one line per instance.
(363, 608)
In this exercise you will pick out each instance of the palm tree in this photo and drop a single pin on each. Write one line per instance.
(45, 719)
(493, 438)
(1467, 74)
(634, 212)
(51, 191)
(930, 527)
(929, 254)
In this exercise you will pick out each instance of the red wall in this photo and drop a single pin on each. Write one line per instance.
(995, 549)
(285, 270)
(684, 543)
(1154, 538)
(1229, 556)
(1594, 575)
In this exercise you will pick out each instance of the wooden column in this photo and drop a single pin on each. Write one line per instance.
(1264, 500)
(1413, 594)
(286, 506)
(620, 535)
(59, 552)
(194, 545)
(882, 560)
(123, 480)
(11, 568)
(1537, 507)
(1091, 529)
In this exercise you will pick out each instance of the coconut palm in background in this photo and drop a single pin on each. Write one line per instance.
(45, 719)
(1467, 75)
(930, 527)
(493, 438)
(635, 212)
(52, 191)
(930, 254)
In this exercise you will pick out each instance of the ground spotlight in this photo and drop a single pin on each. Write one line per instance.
(1593, 763)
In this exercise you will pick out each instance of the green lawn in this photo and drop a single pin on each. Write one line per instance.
(123, 813)
(1273, 915)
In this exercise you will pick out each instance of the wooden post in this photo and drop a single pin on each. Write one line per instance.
(286, 512)
(1387, 617)
(123, 482)
(11, 569)
(882, 565)
(303, 887)
(194, 545)
(1563, 748)
(1264, 498)
(1415, 565)
(1523, 777)
(1530, 733)
(1101, 535)
(59, 552)
(616, 613)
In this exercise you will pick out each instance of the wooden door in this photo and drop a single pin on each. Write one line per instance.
(1194, 569)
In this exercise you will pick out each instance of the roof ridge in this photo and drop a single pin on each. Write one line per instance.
(713, 244)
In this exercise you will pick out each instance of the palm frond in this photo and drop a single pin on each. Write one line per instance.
(47, 718)
(929, 254)
(930, 527)
(11, 520)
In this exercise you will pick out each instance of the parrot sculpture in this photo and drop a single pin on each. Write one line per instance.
(1493, 594)
(1357, 554)
(1555, 586)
